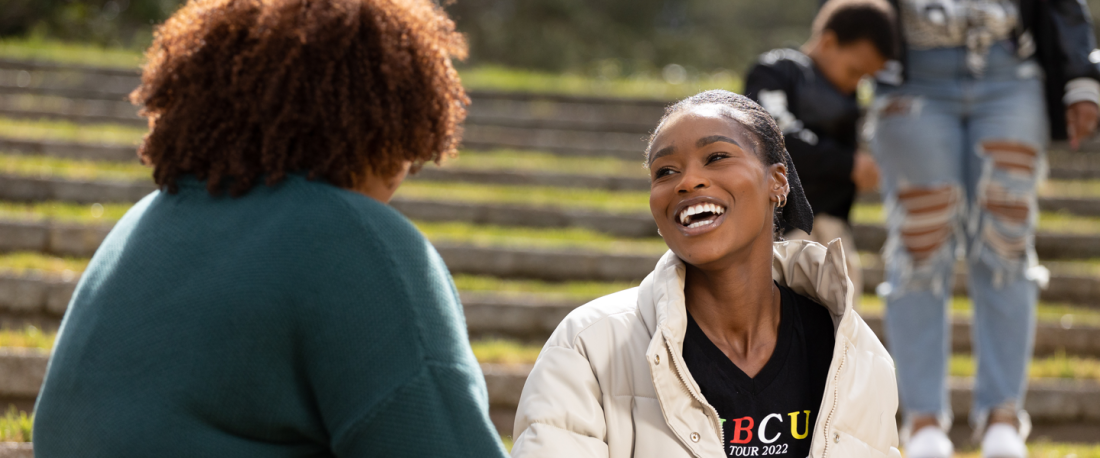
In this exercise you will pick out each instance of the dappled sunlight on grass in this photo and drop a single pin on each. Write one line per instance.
(572, 290)
(1047, 312)
(500, 351)
(45, 129)
(1062, 222)
(44, 166)
(63, 211)
(25, 261)
(535, 196)
(1057, 366)
(27, 337)
(15, 426)
(41, 49)
(638, 86)
(1045, 449)
(572, 238)
(537, 161)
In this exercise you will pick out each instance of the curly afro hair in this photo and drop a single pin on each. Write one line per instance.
(237, 91)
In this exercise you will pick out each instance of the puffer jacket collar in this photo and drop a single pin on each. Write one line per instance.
(819, 273)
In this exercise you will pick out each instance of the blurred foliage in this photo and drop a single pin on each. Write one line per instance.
(610, 39)
(125, 23)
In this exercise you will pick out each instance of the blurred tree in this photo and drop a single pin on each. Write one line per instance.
(105, 22)
(598, 37)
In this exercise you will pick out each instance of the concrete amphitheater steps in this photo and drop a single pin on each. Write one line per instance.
(868, 237)
(41, 301)
(33, 188)
(563, 124)
(1049, 401)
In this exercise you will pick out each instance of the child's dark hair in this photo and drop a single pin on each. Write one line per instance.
(854, 20)
(769, 146)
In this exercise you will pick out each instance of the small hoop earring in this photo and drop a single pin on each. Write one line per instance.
(782, 201)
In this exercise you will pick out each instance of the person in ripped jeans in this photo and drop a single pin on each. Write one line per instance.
(959, 133)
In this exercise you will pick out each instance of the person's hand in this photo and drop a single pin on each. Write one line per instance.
(865, 172)
(1080, 122)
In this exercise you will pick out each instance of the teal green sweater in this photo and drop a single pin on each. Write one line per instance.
(297, 320)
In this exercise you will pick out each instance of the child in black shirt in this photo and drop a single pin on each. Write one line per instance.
(812, 96)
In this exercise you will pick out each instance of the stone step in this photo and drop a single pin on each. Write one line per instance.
(16, 450)
(42, 301)
(1048, 400)
(20, 188)
(869, 237)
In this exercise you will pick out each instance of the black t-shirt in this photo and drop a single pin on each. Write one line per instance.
(773, 413)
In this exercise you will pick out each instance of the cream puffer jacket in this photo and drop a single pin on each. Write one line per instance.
(611, 382)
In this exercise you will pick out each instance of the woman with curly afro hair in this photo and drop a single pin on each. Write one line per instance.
(265, 301)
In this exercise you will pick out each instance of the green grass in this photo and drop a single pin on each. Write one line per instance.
(537, 196)
(536, 161)
(45, 129)
(1044, 449)
(500, 351)
(649, 86)
(572, 238)
(22, 262)
(1062, 222)
(645, 86)
(1047, 312)
(1070, 188)
(63, 211)
(1058, 366)
(15, 426)
(45, 166)
(71, 53)
(574, 290)
(28, 337)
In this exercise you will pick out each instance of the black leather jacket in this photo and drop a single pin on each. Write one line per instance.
(1060, 32)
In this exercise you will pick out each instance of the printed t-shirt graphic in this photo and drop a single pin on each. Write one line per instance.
(772, 414)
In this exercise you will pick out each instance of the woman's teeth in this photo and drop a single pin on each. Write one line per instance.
(686, 215)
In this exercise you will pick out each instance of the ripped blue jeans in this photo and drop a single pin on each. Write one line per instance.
(961, 157)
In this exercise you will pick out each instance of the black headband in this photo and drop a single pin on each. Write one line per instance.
(797, 212)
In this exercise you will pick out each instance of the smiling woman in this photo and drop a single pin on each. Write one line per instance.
(736, 344)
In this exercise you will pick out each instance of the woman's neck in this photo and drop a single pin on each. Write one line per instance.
(737, 306)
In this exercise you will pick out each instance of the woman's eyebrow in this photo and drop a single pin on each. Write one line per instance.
(662, 152)
(716, 138)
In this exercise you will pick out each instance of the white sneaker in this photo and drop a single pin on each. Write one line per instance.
(1002, 441)
(929, 442)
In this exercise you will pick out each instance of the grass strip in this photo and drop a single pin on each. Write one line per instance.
(51, 167)
(501, 351)
(22, 262)
(960, 307)
(1059, 222)
(15, 426)
(572, 238)
(1046, 449)
(1058, 366)
(1070, 188)
(49, 50)
(27, 337)
(45, 129)
(579, 291)
(63, 211)
(538, 161)
(643, 85)
(535, 196)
